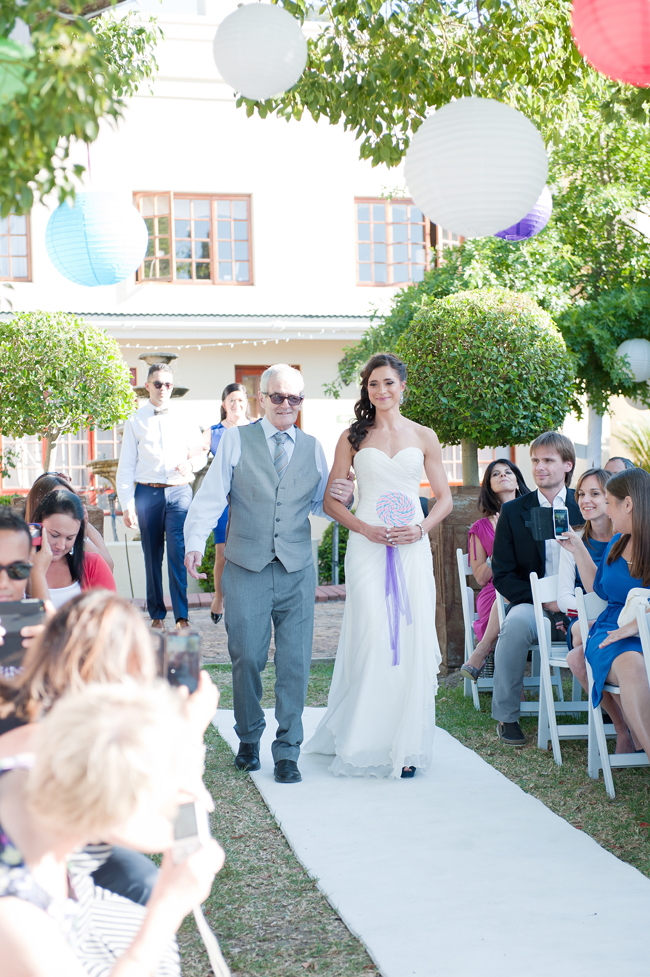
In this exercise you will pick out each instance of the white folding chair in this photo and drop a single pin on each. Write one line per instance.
(553, 657)
(469, 616)
(532, 681)
(598, 758)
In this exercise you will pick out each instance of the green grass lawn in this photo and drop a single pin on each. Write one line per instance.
(267, 912)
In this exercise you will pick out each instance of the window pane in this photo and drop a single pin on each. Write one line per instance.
(225, 250)
(364, 232)
(400, 273)
(164, 268)
(146, 206)
(225, 271)
(241, 251)
(201, 208)
(183, 249)
(203, 270)
(202, 229)
(18, 224)
(364, 252)
(182, 228)
(239, 210)
(398, 214)
(400, 252)
(417, 273)
(181, 208)
(241, 230)
(162, 203)
(163, 225)
(4, 267)
(400, 232)
(241, 271)
(380, 252)
(418, 254)
(19, 268)
(201, 249)
(223, 208)
(149, 270)
(379, 212)
(223, 229)
(4, 245)
(149, 222)
(415, 214)
(162, 246)
(380, 273)
(379, 232)
(365, 273)
(183, 269)
(363, 212)
(417, 232)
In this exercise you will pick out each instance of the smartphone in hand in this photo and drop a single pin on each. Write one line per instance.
(14, 616)
(191, 830)
(183, 658)
(36, 532)
(560, 522)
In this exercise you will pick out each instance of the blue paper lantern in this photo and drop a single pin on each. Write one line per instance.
(534, 221)
(100, 239)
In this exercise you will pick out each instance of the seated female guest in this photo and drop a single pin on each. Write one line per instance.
(135, 760)
(49, 482)
(72, 569)
(20, 564)
(614, 653)
(502, 482)
(235, 412)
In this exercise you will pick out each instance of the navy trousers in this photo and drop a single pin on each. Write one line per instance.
(161, 513)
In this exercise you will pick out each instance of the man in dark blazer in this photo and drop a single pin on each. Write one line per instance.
(516, 554)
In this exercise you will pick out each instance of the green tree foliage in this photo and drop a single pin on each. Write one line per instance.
(378, 67)
(325, 554)
(60, 375)
(486, 367)
(80, 72)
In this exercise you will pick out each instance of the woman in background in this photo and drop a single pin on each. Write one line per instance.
(48, 482)
(72, 568)
(501, 483)
(235, 412)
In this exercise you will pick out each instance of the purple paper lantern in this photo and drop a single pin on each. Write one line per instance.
(534, 221)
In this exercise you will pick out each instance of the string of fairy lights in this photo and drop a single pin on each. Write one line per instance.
(241, 342)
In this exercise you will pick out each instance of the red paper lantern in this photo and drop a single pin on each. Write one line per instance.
(614, 37)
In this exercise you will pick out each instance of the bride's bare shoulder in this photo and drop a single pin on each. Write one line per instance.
(425, 435)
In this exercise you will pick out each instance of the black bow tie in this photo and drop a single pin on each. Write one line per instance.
(162, 410)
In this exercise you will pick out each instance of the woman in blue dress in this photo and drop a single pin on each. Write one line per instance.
(235, 412)
(615, 653)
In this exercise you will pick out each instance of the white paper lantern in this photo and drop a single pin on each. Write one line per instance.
(260, 50)
(636, 403)
(637, 352)
(476, 166)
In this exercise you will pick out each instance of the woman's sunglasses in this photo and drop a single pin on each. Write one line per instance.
(158, 384)
(278, 399)
(19, 570)
(58, 475)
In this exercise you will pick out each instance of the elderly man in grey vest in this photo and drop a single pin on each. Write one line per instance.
(275, 475)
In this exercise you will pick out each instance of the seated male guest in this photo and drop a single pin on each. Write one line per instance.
(516, 554)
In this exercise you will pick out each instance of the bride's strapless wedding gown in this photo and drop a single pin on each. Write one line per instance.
(381, 717)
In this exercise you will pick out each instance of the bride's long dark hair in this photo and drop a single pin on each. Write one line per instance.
(364, 411)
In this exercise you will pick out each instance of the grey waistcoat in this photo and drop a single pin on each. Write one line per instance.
(269, 517)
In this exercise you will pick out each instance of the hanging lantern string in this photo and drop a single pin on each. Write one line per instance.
(242, 342)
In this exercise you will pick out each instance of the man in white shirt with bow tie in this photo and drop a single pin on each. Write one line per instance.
(159, 456)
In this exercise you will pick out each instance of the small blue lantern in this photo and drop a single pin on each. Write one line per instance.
(97, 240)
(535, 220)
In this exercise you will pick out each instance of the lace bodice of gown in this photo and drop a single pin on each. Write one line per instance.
(378, 474)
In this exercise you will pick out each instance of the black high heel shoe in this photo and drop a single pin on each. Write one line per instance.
(408, 772)
(215, 617)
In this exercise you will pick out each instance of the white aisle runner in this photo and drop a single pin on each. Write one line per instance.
(458, 872)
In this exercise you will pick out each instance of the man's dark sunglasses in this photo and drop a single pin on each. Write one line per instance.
(19, 570)
(278, 399)
(158, 384)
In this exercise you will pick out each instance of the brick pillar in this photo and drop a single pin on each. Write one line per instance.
(445, 540)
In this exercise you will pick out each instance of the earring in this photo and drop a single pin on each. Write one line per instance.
(401, 397)
(72, 551)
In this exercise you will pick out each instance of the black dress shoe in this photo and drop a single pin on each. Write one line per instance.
(248, 757)
(511, 733)
(286, 772)
(215, 617)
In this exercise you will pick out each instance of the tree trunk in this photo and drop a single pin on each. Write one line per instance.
(594, 439)
(50, 449)
(469, 451)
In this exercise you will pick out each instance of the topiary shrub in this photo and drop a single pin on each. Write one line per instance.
(486, 367)
(325, 554)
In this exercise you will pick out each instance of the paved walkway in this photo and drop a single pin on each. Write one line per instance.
(458, 872)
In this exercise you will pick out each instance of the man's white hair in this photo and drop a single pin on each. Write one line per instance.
(280, 372)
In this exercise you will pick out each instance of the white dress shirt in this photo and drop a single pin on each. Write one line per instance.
(212, 498)
(152, 447)
(553, 548)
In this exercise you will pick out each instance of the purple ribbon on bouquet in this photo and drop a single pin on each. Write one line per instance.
(396, 509)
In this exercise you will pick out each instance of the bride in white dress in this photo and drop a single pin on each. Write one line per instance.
(380, 717)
